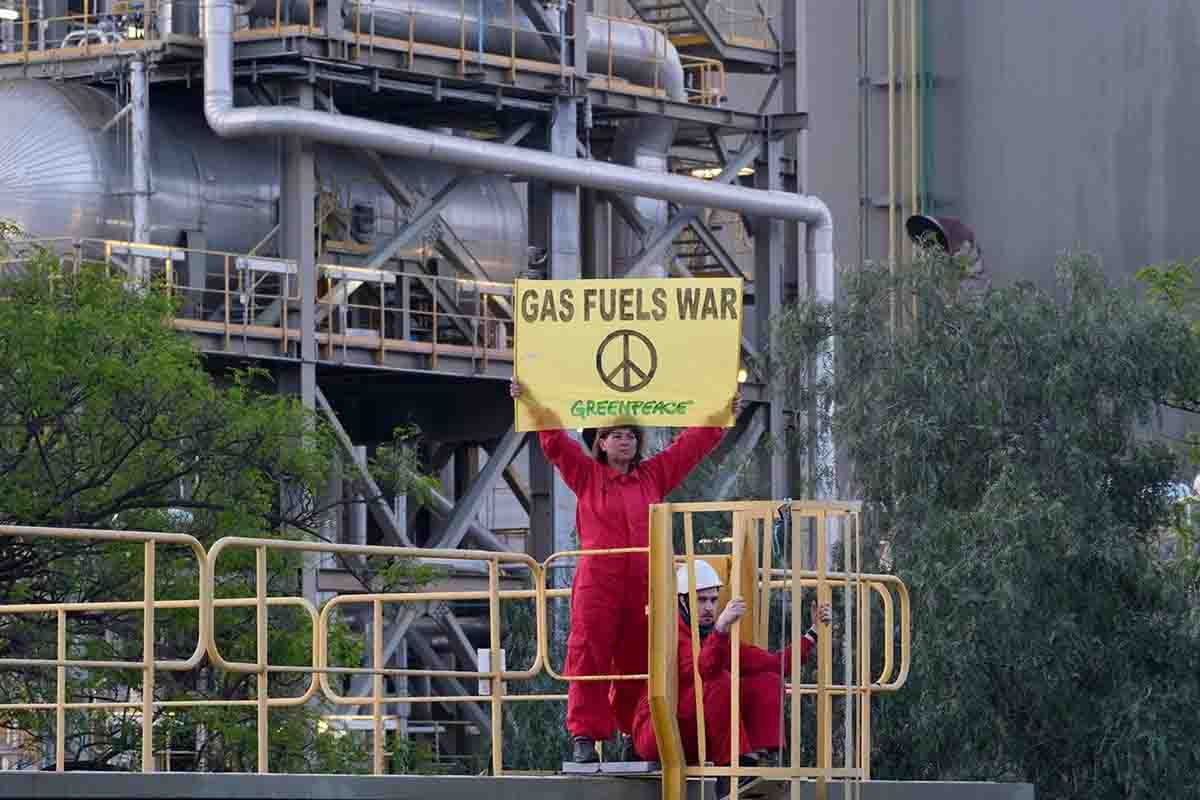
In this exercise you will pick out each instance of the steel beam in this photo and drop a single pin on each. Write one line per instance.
(661, 238)
(554, 225)
(460, 643)
(451, 686)
(467, 508)
(628, 212)
(541, 23)
(768, 300)
(140, 160)
(297, 223)
(376, 504)
(393, 635)
(714, 246)
(746, 438)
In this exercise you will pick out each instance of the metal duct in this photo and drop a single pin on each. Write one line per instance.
(61, 176)
(399, 140)
(633, 51)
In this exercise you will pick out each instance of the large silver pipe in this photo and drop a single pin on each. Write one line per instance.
(66, 170)
(399, 140)
(623, 49)
(140, 150)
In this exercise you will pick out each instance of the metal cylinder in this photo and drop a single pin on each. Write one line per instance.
(140, 149)
(60, 175)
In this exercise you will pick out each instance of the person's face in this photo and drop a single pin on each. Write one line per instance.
(706, 606)
(619, 444)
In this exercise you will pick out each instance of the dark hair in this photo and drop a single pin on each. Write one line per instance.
(601, 433)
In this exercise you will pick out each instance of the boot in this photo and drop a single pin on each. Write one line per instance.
(625, 749)
(722, 787)
(583, 750)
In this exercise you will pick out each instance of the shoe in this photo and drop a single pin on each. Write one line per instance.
(770, 758)
(583, 750)
(723, 783)
(625, 749)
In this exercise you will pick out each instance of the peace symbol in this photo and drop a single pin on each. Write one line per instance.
(643, 366)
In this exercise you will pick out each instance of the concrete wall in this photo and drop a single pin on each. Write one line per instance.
(1075, 122)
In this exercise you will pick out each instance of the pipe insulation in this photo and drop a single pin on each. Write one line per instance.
(398, 140)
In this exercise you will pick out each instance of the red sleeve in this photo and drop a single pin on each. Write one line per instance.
(568, 457)
(714, 657)
(755, 659)
(672, 465)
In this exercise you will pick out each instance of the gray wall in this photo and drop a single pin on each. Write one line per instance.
(1073, 121)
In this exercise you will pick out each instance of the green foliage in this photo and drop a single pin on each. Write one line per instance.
(535, 732)
(399, 469)
(997, 438)
(109, 420)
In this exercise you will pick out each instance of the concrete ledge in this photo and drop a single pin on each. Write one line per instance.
(226, 786)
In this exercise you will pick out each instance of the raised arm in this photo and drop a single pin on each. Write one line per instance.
(672, 465)
(568, 457)
(755, 659)
(560, 449)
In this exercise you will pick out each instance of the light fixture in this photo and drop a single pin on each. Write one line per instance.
(708, 173)
(742, 375)
(9, 14)
(948, 233)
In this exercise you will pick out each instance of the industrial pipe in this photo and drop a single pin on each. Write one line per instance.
(230, 122)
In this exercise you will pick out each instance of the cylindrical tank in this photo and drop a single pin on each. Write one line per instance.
(624, 49)
(637, 52)
(59, 176)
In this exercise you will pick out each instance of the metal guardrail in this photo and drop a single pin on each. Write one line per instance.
(747, 575)
(752, 576)
(130, 26)
(240, 297)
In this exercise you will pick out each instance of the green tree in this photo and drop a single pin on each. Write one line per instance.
(109, 420)
(999, 439)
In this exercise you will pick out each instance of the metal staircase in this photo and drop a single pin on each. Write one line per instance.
(698, 251)
(695, 28)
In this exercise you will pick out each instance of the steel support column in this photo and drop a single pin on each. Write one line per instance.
(768, 299)
(139, 90)
(376, 503)
(661, 238)
(297, 223)
(466, 510)
(554, 226)
(746, 436)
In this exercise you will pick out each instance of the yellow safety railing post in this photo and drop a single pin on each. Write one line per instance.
(693, 616)
(377, 686)
(148, 660)
(260, 628)
(60, 711)
(664, 654)
(735, 653)
(796, 588)
(494, 669)
(824, 667)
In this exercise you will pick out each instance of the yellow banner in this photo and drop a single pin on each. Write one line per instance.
(596, 353)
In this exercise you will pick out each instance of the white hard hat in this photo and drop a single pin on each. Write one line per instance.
(706, 577)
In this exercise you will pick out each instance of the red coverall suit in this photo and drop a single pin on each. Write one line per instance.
(608, 598)
(761, 696)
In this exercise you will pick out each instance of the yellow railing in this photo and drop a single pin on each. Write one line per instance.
(245, 297)
(704, 80)
(751, 574)
(91, 32)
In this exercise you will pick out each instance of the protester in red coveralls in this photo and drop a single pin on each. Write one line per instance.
(760, 690)
(615, 488)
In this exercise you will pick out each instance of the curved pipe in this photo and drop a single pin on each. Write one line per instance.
(399, 140)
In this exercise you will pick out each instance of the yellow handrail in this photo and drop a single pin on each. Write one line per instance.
(750, 521)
